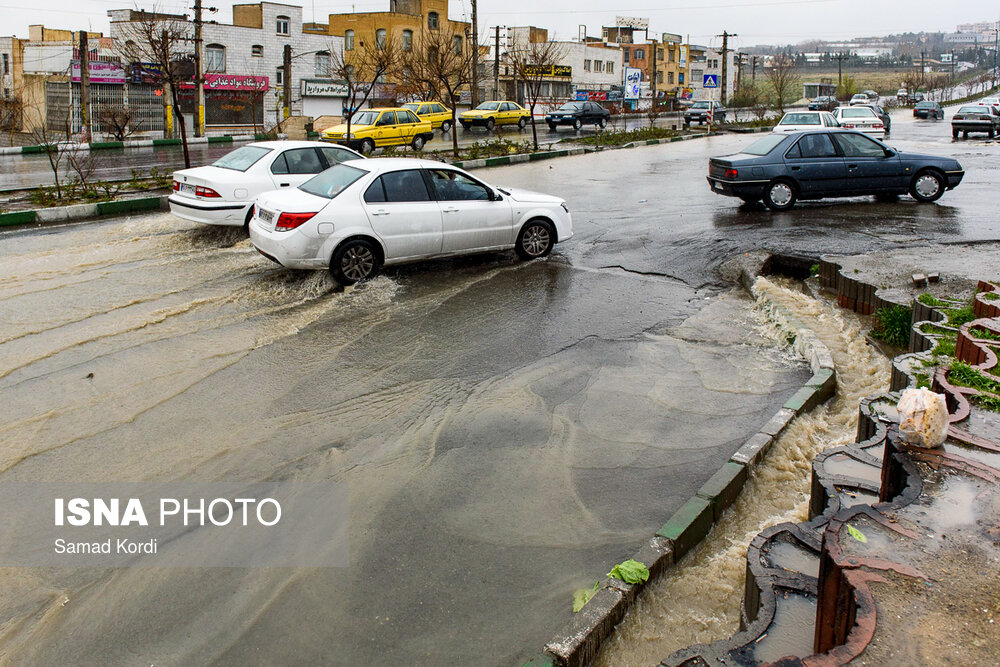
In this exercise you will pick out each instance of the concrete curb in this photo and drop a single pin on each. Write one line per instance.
(132, 143)
(580, 642)
(84, 211)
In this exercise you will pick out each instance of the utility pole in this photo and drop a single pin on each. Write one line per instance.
(84, 87)
(496, 64)
(475, 56)
(652, 77)
(725, 60)
(286, 82)
(840, 68)
(753, 71)
(199, 77)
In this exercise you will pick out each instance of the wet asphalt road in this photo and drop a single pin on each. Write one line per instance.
(508, 430)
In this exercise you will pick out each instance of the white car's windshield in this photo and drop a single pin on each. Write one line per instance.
(332, 182)
(700, 105)
(862, 112)
(800, 119)
(242, 158)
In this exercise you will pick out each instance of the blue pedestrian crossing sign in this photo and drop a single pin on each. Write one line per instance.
(711, 81)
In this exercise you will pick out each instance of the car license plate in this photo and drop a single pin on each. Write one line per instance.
(185, 187)
(265, 215)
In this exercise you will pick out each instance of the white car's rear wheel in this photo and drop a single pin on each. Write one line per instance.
(354, 261)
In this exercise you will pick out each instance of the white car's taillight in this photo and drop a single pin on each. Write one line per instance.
(288, 221)
(199, 191)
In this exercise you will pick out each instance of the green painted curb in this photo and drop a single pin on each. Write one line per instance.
(166, 142)
(17, 218)
(101, 145)
(688, 525)
(803, 400)
(221, 140)
(31, 150)
(497, 161)
(723, 488)
(824, 381)
(753, 450)
(128, 206)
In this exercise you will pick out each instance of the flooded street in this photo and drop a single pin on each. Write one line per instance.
(507, 430)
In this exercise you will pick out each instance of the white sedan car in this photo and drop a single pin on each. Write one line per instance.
(862, 119)
(361, 215)
(223, 192)
(797, 121)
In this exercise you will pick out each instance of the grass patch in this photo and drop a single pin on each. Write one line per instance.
(991, 296)
(985, 334)
(945, 347)
(959, 316)
(937, 329)
(892, 325)
(929, 299)
(964, 375)
(619, 137)
(814, 270)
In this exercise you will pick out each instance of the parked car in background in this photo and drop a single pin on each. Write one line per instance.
(699, 112)
(928, 109)
(881, 113)
(491, 114)
(860, 98)
(860, 118)
(377, 128)
(436, 113)
(796, 121)
(783, 168)
(975, 118)
(873, 96)
(361, 215)
(991, 101)
(222, 193)
(902, 95)
(578, 114)
(916, 97)
(823, 103)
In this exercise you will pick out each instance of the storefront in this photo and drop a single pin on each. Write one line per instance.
(322, 97)
(230, 100)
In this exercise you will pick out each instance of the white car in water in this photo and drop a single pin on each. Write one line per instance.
(222, 193)
(361, 215)
(797, 121)
(862, 119)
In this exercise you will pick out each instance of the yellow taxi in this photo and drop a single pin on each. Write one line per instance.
(378, 128)
(438, 114)
(490, 114)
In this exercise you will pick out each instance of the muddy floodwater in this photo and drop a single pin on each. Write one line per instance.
(507, 431)
(698, 601)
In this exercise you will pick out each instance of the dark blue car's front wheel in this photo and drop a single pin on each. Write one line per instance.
(927, 186)
(780, 195)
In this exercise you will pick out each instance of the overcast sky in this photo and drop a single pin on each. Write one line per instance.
(755, 21)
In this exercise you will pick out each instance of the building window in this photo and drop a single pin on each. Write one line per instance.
(283, 25)
(380, 39)
(432, 20)
(323, 63)
(457, 45)
(611, 67)
(349, 40)
(6, 64)
(670, 55)
(407, 40)
(257, 51)
(680, 78)
(279, 77)
(659, 54)
(659, 77)
(215, 58)
(640, 54)
(670, 77)
(626, 53)
(598, 65)
(586, 65)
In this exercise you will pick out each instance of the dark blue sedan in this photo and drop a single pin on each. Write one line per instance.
(783, 168)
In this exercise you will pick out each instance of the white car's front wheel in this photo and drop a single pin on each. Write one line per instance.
(535, 240)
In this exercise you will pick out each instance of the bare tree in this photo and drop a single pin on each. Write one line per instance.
(48, 139)
(782, 78)
(364, 67)
(531, 64)
(83, 161)
(118, 121)
(440, 66)
(160, 39)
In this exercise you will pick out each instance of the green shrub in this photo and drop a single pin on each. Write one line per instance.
(892, 325)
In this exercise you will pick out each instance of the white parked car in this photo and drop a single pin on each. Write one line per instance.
(860, 98)
(991, 102)
(223, 192)
(796, 121)
(862, 119)
(361, 215)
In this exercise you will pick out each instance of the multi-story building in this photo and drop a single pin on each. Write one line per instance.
(404, 25)
(243, 64)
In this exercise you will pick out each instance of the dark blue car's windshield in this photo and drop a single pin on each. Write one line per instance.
(765, 145)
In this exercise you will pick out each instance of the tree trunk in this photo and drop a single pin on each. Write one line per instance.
(534, 130)
(454, 130)
(180, 120)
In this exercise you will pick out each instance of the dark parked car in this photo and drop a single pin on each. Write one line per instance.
(781, 169)
(578, 114)
(824, 103)
(698, 112)
(928, 109)
(975, 118)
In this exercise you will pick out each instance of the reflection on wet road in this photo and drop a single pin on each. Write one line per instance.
(507, 429)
